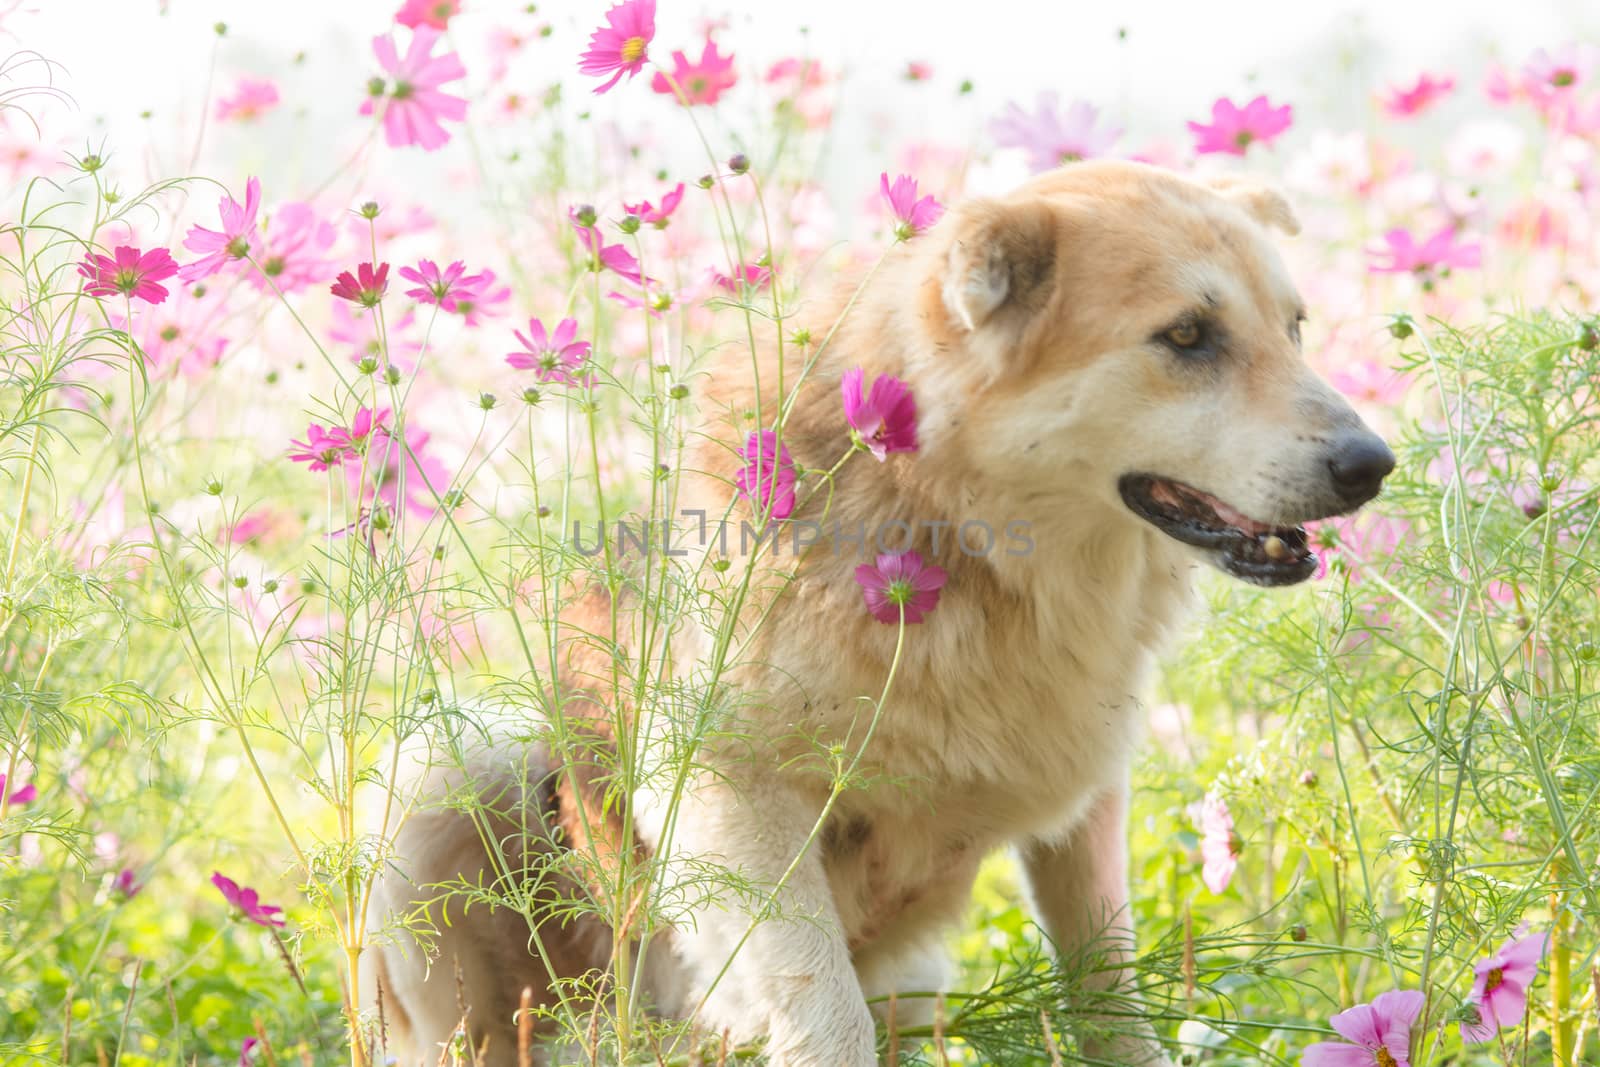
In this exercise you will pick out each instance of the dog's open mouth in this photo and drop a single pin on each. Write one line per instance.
(1239, 545)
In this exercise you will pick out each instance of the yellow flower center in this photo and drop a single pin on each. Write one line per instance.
(1385, 1058)
(633, 49)
(1494, 979)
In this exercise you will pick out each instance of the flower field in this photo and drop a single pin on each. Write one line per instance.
(303, 456)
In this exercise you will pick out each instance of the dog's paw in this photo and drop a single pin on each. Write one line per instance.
(826, 1037)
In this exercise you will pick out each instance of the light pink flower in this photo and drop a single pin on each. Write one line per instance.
(1379, 1034)
(360, 332)
(701, 82)
(918, 72)
(1401, 102)
(401, 473)
(293, 250)
(232, 242)
(657, 216)
(885, 418)
(1500, 990)
(446, 288)
(1549, 74)
(1052, 137)
(1234, 129)
(1439, 254)
(183, 332)
(414, 106)
(912, 215)
(434, 13)
(750, 275)
(1220, 846)
(555, 358)
(129, 272)
(476, 296)
(1370, 381)
(622, 46)
(768, 476)
(365, 287)
(22, 794)
(247, 901)
(321, 449)
(251, 99)
(900, 582)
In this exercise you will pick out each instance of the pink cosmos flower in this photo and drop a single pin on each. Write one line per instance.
(443, 288)
(918, 72)
(231, 242)
(1439, 254)
(402, 474)
(1234, 129)
(250, 99)
(434, 13)
(246, 1049)
(751, 275)
(602, 256)
(657, 216)
(360, 333)
(321, 449)
(475, 296)
(1220, 846)
(1500, 990)
(768, 476)
(366, 287)
(912, 215)
(555, 358)
(25, 794)
(701, 82)
(1052, 138)
(292, 253)
(414, 106)
(900, 582)
(1548, 75)
(126, 884)
(622, 45)
(652, 303)
(247, 901)
(129, 272)
(1399, 102)
(1379, 1034)
(885, 419)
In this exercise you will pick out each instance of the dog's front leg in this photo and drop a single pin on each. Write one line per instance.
(1079, 886)
(791, 978)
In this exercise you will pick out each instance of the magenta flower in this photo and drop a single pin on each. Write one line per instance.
(1234, 129)
(246, 901)
(1406, 103)
(446, 288)
(900, 582)
(1220, 847)
(912, 215)
(1379, 1034)
(701, 82)
(1439, 254)
(556, 358)
(126, 884)
(768, 476)
(657, 216)
(434, 13)
(231, 242)
(129, 272)
(414, 106)
(751, 275)
(250, 99)
(366, 287)
(25, 794)
(1052, 138)
(883, 420)
(1500, 990)
(602, 256)
(622, 45)
(321, 449)
(246, 1049)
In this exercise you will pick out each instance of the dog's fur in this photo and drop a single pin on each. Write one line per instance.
(1028, 329)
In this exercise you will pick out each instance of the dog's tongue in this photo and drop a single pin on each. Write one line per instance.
(1235, 518)
(1187, 497)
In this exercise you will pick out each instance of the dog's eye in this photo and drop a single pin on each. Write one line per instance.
(1188, 335)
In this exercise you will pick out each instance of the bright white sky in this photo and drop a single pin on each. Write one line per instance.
(123, 57)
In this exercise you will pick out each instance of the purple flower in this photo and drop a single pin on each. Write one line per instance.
(900, 581)
(1379, 1034)
(885, 418)
(246, 901)
(1052, 138)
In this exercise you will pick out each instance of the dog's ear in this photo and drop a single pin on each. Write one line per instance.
(1002, 262)
(1264, 202)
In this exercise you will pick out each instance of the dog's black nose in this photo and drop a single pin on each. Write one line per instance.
(1359, 462)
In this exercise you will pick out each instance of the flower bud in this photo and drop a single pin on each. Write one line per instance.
(584, 215)
(739, 163)
(486, 401)
(629, 224)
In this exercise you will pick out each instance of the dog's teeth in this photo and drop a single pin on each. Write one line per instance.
(1275, 548)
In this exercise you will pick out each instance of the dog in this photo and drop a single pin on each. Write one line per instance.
(1106, 364)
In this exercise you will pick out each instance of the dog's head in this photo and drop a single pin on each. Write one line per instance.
(1134, 342)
